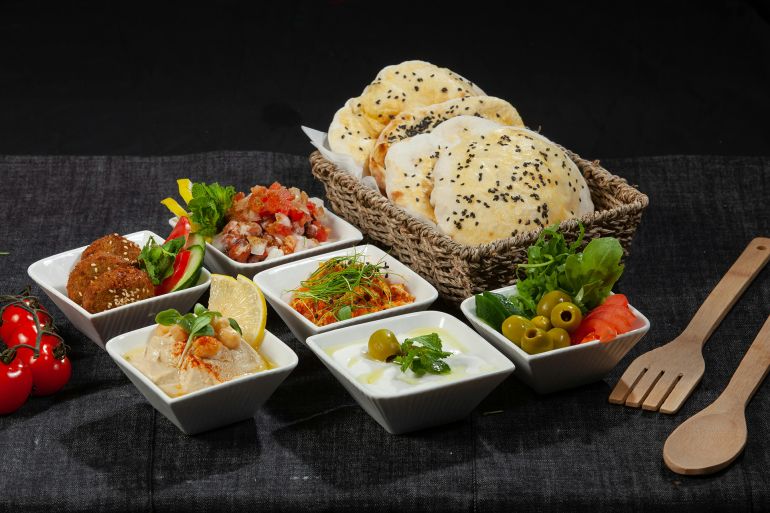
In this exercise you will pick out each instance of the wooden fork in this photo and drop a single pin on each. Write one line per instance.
(663, 379)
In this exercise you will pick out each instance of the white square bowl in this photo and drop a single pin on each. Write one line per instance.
(563, 368)
(343, 235)
(277, 283)
(51, 275)
(214, 406)
(429, 404)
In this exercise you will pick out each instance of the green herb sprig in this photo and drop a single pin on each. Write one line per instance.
(552, 264)
(342, 288)
(197, 324)
(209, 206)
(423, 354)
(158, 260)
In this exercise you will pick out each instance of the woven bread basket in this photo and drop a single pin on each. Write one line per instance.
(459, 271)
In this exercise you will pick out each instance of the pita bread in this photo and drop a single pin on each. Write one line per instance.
(505, 182)
(395, 88)
(409, 163)
(419, 120)
(349, 134)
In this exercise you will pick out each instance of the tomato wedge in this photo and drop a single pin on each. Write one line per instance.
(608, 320)
(615, 300)
(180, 265)
(592, 329)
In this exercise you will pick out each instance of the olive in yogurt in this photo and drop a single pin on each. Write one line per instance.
(423, 354)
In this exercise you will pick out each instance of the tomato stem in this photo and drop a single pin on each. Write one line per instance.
(7, 356)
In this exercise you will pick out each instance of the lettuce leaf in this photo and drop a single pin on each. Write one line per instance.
(495, 308)
(552, 264)
(589, 276)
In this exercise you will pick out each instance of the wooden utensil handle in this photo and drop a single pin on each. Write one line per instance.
(752, 369)
(728, 290)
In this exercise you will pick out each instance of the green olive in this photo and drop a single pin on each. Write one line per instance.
(559, 337)
(514, 328)
(549, 300)
(567, 316)
(542, 322)
(383, 344)
(536, 341)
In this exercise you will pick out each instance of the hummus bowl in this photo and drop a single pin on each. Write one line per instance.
(564, 368)
(51, 275)
(214, 406)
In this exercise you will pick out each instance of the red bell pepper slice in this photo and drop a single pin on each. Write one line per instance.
(181, 228)
(180, 265)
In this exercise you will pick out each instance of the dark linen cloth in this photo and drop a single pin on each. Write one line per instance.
(98, 445)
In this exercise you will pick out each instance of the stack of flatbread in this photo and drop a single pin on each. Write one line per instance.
(442, 150)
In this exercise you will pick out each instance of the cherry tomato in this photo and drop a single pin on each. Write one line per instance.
(15, 385)
(23, 334)
(14, 316)
(51, 369)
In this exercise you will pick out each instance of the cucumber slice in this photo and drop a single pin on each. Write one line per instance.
(193, 270)
(195, 240)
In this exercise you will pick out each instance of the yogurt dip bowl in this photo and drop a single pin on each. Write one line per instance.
(51, 275)
(402, 402)
(278, 282)
(214, 406)
(343, 235)
(564, 368)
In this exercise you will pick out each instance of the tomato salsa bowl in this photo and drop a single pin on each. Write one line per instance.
(51, 275)
(341, 235)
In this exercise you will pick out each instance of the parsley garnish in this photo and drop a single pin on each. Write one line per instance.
(158, 260)
(209, 206)
(427, 357)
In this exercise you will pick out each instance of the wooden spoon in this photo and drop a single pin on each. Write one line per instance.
(711, 439)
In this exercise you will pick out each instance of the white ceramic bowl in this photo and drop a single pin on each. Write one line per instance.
(277, 283)
(564, 368)
(343, 235)
(211, 407)
(51, 275)
(428, 404)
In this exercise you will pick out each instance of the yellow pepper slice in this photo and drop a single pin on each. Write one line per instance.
(175, 207)
(185, 189)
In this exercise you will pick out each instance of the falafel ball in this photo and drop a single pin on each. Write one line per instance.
(115, 244)
(89, 269)
(117, 287)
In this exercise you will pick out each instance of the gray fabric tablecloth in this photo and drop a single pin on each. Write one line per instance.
(98, 445)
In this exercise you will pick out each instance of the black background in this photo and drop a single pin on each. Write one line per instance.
(606, 79)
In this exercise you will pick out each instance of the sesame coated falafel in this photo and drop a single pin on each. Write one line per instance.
(116, 245)
(89, 269)
(120, 286)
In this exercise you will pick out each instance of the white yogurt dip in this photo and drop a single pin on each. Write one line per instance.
(384, 377)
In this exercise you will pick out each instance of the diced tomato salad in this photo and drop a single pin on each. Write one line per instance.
(270, 222)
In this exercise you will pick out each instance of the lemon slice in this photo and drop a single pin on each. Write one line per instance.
(240, 299)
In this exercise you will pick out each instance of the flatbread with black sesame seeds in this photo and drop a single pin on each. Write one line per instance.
(424, 119)
(349, 134)
(399, 87)
(512, 181)
(409, 163)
